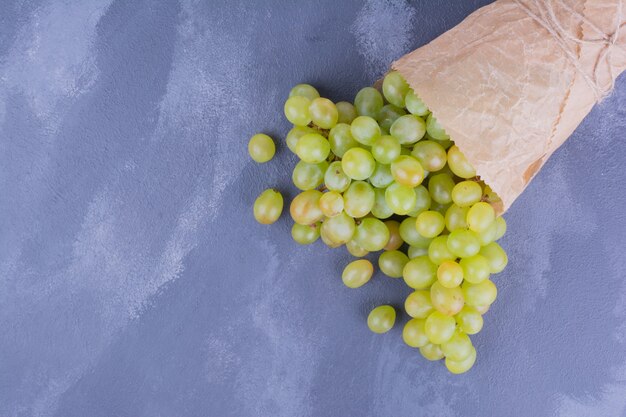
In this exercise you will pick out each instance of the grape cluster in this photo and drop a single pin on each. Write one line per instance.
(382, 175)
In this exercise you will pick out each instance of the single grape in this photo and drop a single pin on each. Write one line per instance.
(305, 234)
(463, 243)
(395, 88)
(295, 134)
(496, 257)
(414, 334)
(305, 207)
(341, 139)
(347, 112)
(331, 204)
(488, 235)
(335, 179)
(386, 149)
(459, 367)
(380, 209)
(475, 268)
(480, 216)
(408, 129)
(323, 113)
(297, 110)
(449, 301)
(387, 115)
(304, 90)
(365, 130)
(418, 304)
(371, 234)
(406, 170)
(455, 218)
(415, 105)
(339, 229)
(261, 148)
(409, 234)
(415, 251)
(391, 263)
(419, 273)
(395, 240)
(440, 188)
(422, 201)
(500, 227)
(450, 274)
(482, 294)
(358, 163)
(434, 129)
(466, 193)
(355, 250)
(438, 251)
(430, 223)
(439, 327)
(459, 164)
(381, 319)
(313, 148)
(458, 348)
(357, 273)
(430, 155)
(469, 320)
(482, 309)
(327, 241)
(308, 176)
(358, 199)
(431, 351)
(381, 177)
(368, 102)
(400, 198)
(268, 207)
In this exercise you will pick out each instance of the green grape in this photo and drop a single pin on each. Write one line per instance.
(308, 176)
(400, 198)
(357, 273)
(261, 148)
(415, 251)
(358, 163)
(409, 234)
(480, 216)
(297, 110)
(475, 268)
(381, 319)
(387, 115)
(482, 294)
(414, 334)
(335, 179)
(415, 105)
(482, 309)
(449, 301)
(422, 201)
(408, 129)
(331, 204)
(438, 251)
(371, 234)
(381, 210)
(392, 262)
(386, 149)
(458, 348)
(355, 250)
(434, 129)
(450, 274)
(439, 327)
(459, 367)
(313, 148)
(466, 193)
(365, 130)
(295, 134)
(406, 170)
(488, 235)
(341, 139)
(431, 352)
(419, 273)
(463, 243)
(496, 257)
(268, 207)
(395, 240)
(430, 155)
(395, 88)
(305, 207)
(368, 102)
(430, 223)
(339, 229)
(455, 218)
(459, 164)
(305, 234)
(326, 240)
(304, 90)
(469, 320)
(500, 227)
(323, 113)
(359, 199)
(347, 112)
(440, 188)
(381, 177)
(418, 304)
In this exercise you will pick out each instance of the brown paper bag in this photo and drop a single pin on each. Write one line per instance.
(513, 80)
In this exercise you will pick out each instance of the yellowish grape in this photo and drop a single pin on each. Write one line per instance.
(323, 113)
(391, 263)
(261, 148)
(459, 164)
(482, 294)
(357, 273)
(458, 348)
(439, 327)
(459, 367)
(305, 234)
(395, 240)
(381, 319)
(331, 204)
(480, 216)
(305, 207)
(419, 273)
(418, 304)
(449, 301)
(406, 170)
(496, 257)
(430, 223)
(268, 207)
(469, 320)
(414, 334)
(450, 274)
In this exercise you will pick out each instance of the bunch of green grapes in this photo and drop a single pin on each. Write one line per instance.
(382, 175)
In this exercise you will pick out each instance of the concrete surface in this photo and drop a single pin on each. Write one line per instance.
(134, 280)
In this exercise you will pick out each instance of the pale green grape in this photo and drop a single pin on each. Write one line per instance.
(305, 234)
(418, 304)
(449, 301)
(466, 193)
(395, 240)
(422, 201)
(439, 327)
(469, 320)
(431, 351)
(297, 110)
(480, 216)
(268, 206)
(357, 273)
(392, 262)
(323, 113)
(386, 149)
(459, 164)
(458, 348)
(415, 251)
(371, 234)
(482, 294)
(261, 148)
(409, 234)
(331, 204)
(434, 129)
(475, 268)
(305, 207)
(414, 334)
(406, 170)
(430, 223)
(415, 105)
(381, 319)
(341, 139)
(430, 155)
(459, 367)
(419, 273)
(326, 240)
(500, 227)
(438, 251)
(463, 243)
(355, 250)
(347, 112)
(308, 176)
(395, 88)
(368, 102)
(450, 274)
(359, 199)
(456, 218)
(335, 179)
(400, 198)
(408, 129)
(440, 188)
(365, 130)
(381, 177)
(295, 134)
(387, 115)
(381, 210)
(304, 90)
(339, 229)
(496, 257)
(313, 148)
(488, 235)
(482, 309)
(358, 163)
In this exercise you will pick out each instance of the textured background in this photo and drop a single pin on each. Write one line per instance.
(134, 280)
